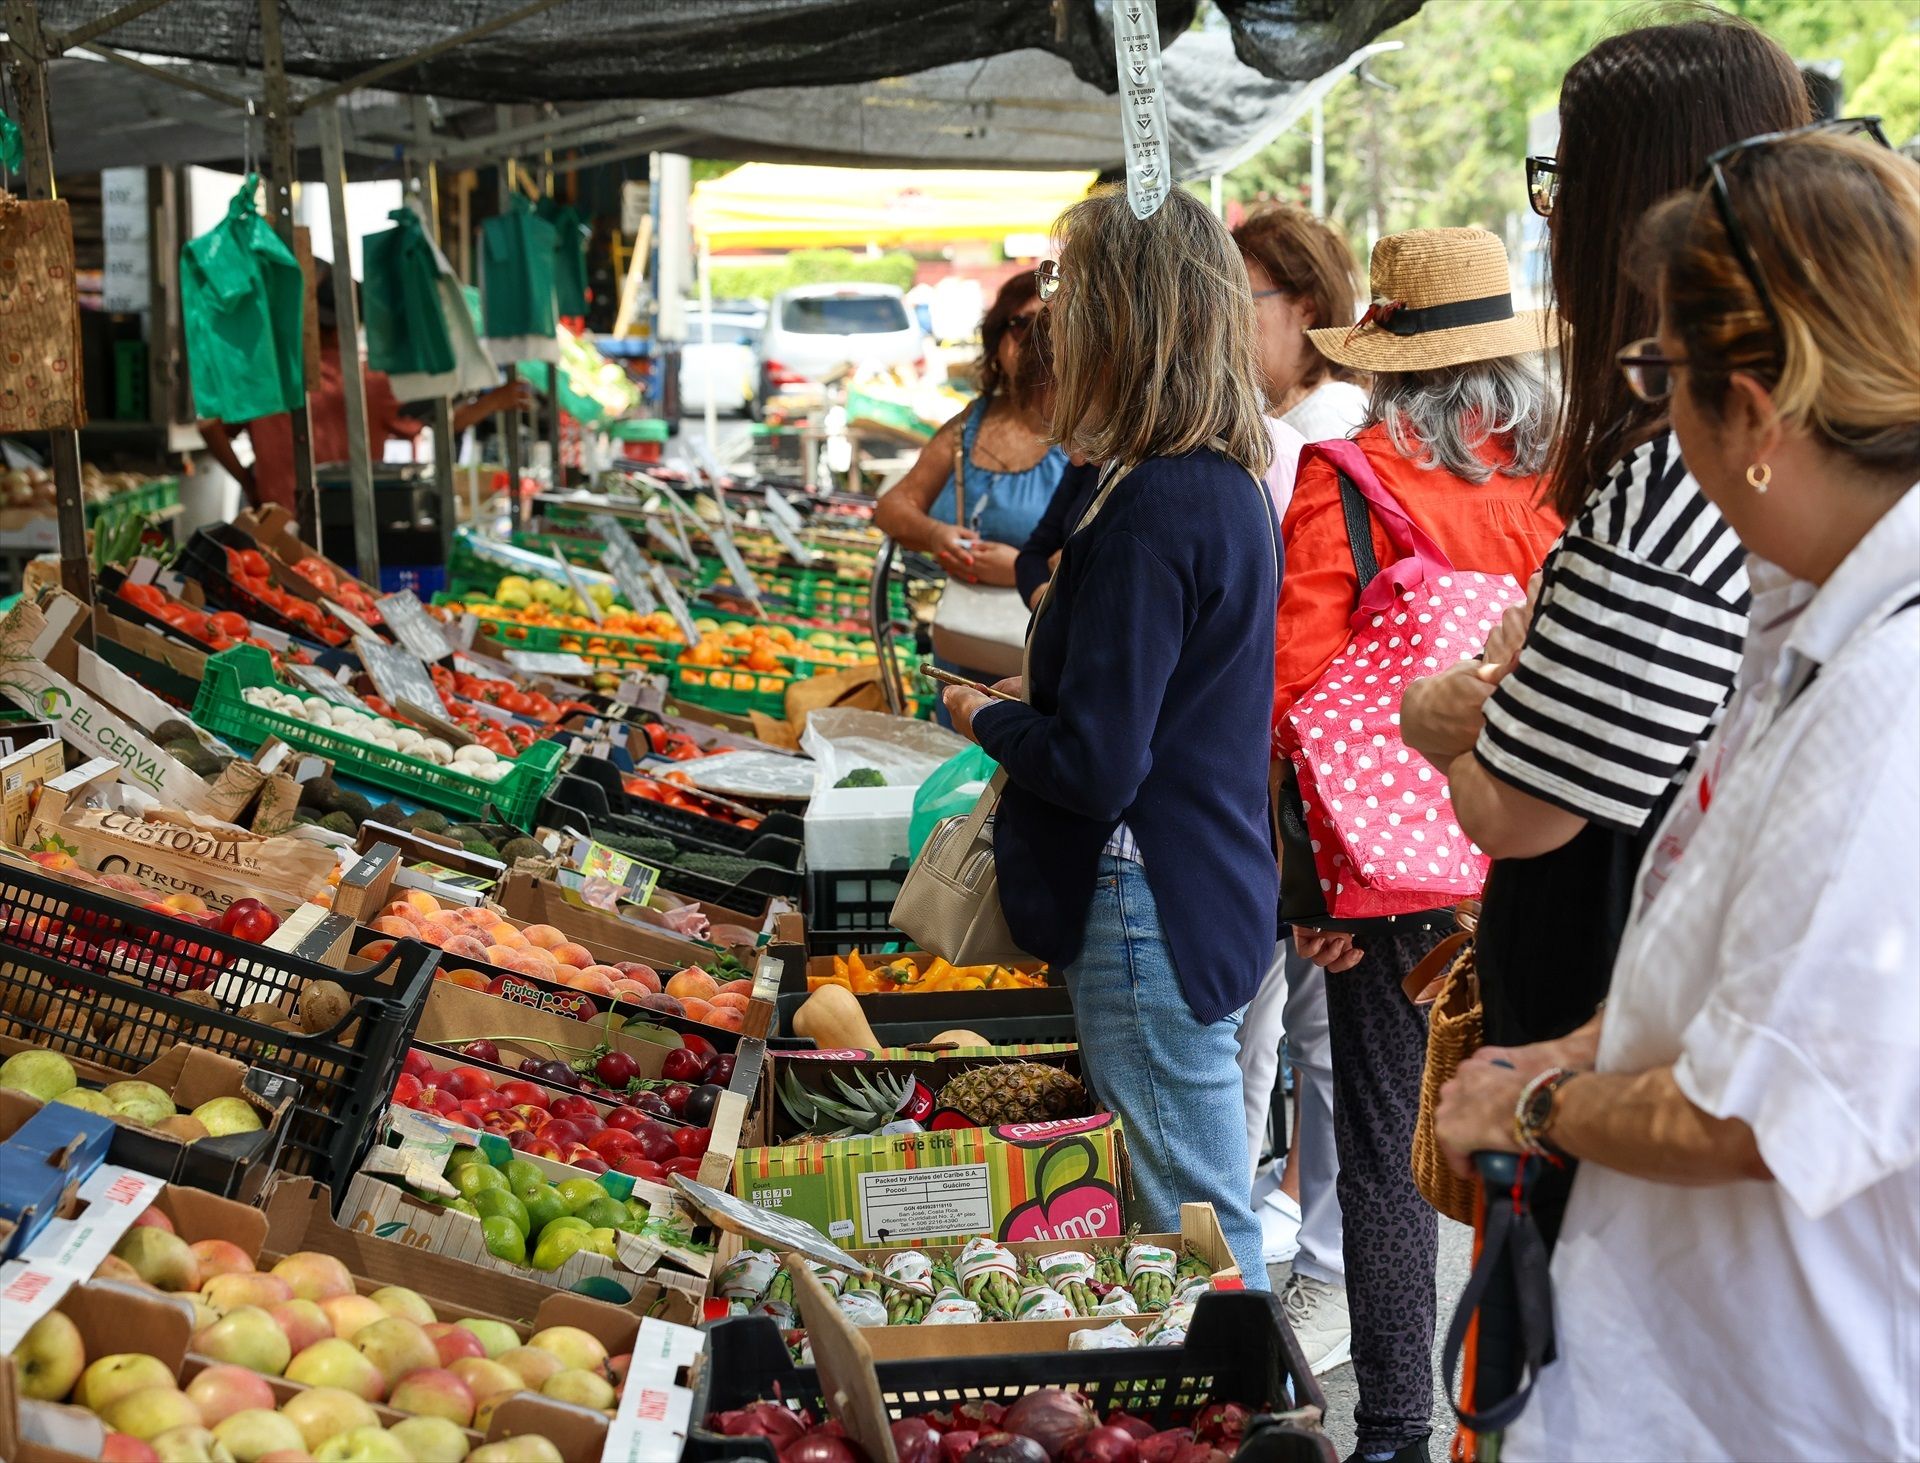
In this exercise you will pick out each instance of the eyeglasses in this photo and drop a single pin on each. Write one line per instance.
(1649, 373)
(1047, 278)
(1543, 184)
(1267, 294)
(1716, 170)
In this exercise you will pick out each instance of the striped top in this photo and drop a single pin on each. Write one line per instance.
(1633, 649)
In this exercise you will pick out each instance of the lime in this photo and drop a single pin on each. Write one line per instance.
(576, 1194)
(522, 1176)
(492, 1202)
(544, 1205)
(565, 1222)
(601, 1242)
(504, 1239)
(463, 1206)
(556, 1247)
(473, 1178)
(606, 1212)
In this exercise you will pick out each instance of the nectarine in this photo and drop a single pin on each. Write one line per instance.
(545, 937)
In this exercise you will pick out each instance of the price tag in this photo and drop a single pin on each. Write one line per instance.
(674, 543)
(548, 663)
(397, 675)
(676, 606)
(315, 679)
(1143, 108)
(611, 876)
(622, 558)
(790, 541)
(412, 626)
(737, 570)
(580, 593)
(682, 515)
(781, 509)
(358, 627)
(460, 631)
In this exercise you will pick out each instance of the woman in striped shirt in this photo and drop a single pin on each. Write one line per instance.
(1561, 757)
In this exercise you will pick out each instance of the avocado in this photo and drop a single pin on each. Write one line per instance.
(319, 793)
(390, 814)
(190, 754)
(427, 821)
(518, 848)
(175, 730)
(354, 806)
(339, 823)
(480, 848)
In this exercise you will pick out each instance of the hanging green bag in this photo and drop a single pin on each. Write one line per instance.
(242, 295)
(406, 329)
(11, 153)
(569, 256)
(952, 790)
(516, 285)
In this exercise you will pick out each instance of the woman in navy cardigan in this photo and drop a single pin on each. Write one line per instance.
(1133, 842)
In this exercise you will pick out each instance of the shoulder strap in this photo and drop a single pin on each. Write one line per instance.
(1353, 508)
(1509, 1240)
(960, 477)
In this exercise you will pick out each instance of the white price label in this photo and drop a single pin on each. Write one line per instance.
(353, 622)
(580, 593)
(790, 541)
(548, 663)
(781, 509)
(925, 1203)
(1143, 107)
(317, 680)
(623, 561)
(676, 606)
(412, 626)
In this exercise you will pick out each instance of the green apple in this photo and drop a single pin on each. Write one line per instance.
(397, 1346)
(151, 1411)
(583, 1389)
(253, 1434)
(397, 1300)
(225, 1116)
(526, 1448)
(142, 1102)
(533, 1367)
(50, 1357)
(189, 1445)
(44, 1075)
(364, 1445)
(113, 1377)
(247, 1337)
(159, 1257)
(335, 1363)
(573, 1346)
(221, 1391)
(88, 1100)
(496, 1336)
(433, 1392)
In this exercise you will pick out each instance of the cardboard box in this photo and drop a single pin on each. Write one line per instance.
(534, 900)
(21, 775)
(237, 1166)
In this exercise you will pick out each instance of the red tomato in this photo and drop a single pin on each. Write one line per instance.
(228, 623)
(467, 1082)
(514, 701)
(252, 563)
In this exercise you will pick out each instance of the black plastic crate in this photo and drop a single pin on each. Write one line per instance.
(1238, 1349)
(204, 559)
(86, 974)
(852, 909)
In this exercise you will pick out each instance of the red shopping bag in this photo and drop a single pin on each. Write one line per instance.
(1378, 818)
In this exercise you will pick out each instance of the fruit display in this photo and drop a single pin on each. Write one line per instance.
(378, 732)
(849, 1101)
(49, 1077)
(347, 592)
(250, 572)
(903, 976)
(215, 629)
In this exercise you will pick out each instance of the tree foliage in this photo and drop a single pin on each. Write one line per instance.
(811, 266)
(1445, 145)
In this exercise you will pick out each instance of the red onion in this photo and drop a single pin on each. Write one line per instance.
(1139, 1429)
(983, 1417)
(819, 1447)
(1221, 1422)
(915, 1442)
(1165, 1447)
(1199, 1452)
(1006, 1448)
(954, 1446)
(1103, 1445)
(764, 1420)
(1051, 1417)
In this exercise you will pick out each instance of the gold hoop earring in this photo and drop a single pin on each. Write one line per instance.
(1759, 475)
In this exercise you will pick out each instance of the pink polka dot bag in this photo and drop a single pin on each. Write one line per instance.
(1378, 820)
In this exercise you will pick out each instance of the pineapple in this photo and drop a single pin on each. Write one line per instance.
(1015, 1092)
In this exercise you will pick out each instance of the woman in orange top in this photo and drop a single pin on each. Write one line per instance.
(1457, 430)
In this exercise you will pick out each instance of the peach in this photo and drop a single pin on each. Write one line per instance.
(422, 901)
(507, 935)
(566, 974)
(546, 937)
(726, 1018)
(400, 909)
(592, 984)
(389, 924)
(476, 916)
(730, 1000)
(376, 950)
(434, 936)
(543, 958)
(692, 982)
(611, 972)
(572, 954)
(465, 947)
(695, 1008)
(521, 962)
(466, 976)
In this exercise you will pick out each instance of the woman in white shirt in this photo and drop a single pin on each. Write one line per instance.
(1739, 1271)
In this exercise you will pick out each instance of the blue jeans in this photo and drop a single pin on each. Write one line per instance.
(1174, 1082)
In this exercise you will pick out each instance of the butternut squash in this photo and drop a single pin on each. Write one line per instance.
(832, 1017)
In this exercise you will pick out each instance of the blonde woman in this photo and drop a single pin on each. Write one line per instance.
(1132, 839)
(1746, 1108)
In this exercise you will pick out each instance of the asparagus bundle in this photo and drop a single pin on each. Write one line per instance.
(989, 1276)
(1149, 1270)
(1070, 1272)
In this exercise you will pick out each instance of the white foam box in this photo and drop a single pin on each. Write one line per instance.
(858, 827)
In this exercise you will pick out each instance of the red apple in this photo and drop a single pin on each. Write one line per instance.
(626, 1118)
(528, 1092)
(454, 1342)
(636, 1166)
(543, 1148)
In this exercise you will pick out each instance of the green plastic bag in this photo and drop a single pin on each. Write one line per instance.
(953, 789)
(569, 255)
(406, 331)
(10, 150)
(241, 299)
(516, 275)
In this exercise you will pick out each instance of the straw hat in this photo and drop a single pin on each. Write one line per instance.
(1441, 297)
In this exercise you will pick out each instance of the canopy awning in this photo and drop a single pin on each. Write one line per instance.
(772, 206)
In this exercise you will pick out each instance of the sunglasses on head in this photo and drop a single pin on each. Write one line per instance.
(1543, 184)
(1046, 279)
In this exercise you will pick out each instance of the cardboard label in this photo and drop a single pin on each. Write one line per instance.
(28, 1290)
(397, 675)
(674, 543)
(790, 541)
(652, 1419)
(922, 1203)
(611, 876)
(113, 1199)
(622, 557)
(737, 570)
(783, 511)
(681, 515)
(356, 626)
(580, 592)
(323, 684)
(412, 626)
(548, 663)
(676, 606)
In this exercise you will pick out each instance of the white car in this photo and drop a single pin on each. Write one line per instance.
(818, 327)
(732, 362)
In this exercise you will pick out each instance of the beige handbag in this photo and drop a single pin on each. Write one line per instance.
(949, 902)
(982, 626)
(1448, 986)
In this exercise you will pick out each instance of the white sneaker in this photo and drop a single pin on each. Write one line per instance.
(1317, 1312)
(1279, 1234)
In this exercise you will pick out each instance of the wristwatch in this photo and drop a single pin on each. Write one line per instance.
(1533, 1114)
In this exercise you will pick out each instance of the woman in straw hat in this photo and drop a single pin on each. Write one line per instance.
(1132, 842)
(1457, 430)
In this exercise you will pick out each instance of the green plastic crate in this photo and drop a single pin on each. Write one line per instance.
(224, 711)
(156, 495)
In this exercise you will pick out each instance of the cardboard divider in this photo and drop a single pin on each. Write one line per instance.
(534, 900)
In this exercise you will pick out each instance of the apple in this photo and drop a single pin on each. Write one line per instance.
(364, 1445)
(326, 1412)
(221, 1257)
(397, 1346)
(583, 1388)
(190, 1445)
(252, 1434)
(314, 1276)
(303, 1321)
(160, 1258)
(88, 1100)
(119, 1448)
(50, 1357)
(151, 1411)
(430, 1437)
(531, 1366)
(486, 1379)
(350, 1313)
(496, 1336)
(115, 1268)
(575, 1348)
(397, 1300)
(454, 1342)
(151, 1218)
(225, 1116)
(335, 1363)
(221, 1391)
(526, 1448)
(142, 1102)
(247, 1337)
(113, 1377)
(44, 1075)
(231, 1291)
(435, 1393)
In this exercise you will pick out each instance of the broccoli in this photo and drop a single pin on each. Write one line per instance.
(863, 777)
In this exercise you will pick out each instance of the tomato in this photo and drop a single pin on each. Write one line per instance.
(145, 596)
(228, 623)
(496, 743)
(252, 563)
(514, 701)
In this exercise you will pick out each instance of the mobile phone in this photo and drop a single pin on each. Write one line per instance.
(948, 678)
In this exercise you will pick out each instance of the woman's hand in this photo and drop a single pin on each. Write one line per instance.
(993, 564)
(1475, 1113)
(1012, 686)
(1332, 950)
(963, 704)
(1502, 649)
(1441, 715)
(953, 546)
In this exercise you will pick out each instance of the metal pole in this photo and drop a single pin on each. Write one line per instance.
(556, 470)
(280, 213)
(1319, 196)
(29, 71)
(510, 419)
(353, 372)
(445, 509)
